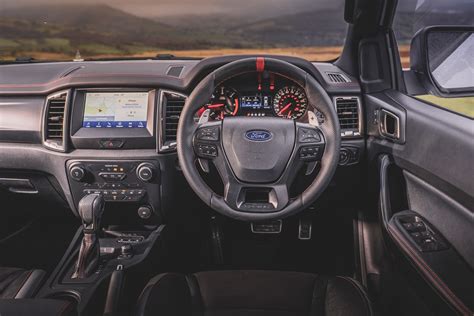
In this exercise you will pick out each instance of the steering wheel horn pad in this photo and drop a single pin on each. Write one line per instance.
(258, 154)
(252, 158)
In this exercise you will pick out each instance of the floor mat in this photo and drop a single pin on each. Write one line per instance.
(188, 247)
(329, 251)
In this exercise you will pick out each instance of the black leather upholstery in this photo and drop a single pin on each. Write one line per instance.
(19, 283)
(37, 307)
(253, 293)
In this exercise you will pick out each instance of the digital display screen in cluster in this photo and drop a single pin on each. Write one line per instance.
(256, 102)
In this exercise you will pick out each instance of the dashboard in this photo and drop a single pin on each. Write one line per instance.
(110, 127)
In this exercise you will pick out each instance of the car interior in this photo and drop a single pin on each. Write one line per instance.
(244, 184)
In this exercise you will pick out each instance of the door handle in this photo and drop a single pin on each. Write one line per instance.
(389, 124)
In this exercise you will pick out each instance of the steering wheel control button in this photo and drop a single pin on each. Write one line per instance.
(206, 150)
(309, 153)
(145, 172)
(208, 133)
(306, 135)
(77, 173)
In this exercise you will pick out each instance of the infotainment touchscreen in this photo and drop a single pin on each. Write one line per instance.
(115, 110)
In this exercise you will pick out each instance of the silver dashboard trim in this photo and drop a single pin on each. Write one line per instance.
(160, 121)
(351, 134)
(51, 145)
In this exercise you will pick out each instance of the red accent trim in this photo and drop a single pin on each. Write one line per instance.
(215, 106)
(260, 64)
(236, 109)
(201, 111)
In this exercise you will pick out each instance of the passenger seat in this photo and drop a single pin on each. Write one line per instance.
(18, 283)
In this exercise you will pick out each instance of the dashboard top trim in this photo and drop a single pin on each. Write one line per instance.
(46, 78)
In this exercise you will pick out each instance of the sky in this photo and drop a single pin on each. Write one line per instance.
(262, 8)
(152, 8)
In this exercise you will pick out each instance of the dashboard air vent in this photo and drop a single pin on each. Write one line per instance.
(171, 106)
(175, 71)
(55, 115)
(337, 77)
(348, 110)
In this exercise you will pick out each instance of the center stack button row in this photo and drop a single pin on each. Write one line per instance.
(118, 195)
(112, 176)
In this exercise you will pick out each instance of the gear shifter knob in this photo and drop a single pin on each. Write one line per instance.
(91, 208)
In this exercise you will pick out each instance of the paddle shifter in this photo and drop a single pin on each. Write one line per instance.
(91, 208)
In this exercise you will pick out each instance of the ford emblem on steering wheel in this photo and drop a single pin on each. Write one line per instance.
(258, 135)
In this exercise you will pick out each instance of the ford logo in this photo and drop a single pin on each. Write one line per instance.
(258, 135)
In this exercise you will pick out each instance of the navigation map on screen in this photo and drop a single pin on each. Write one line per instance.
(115, 110)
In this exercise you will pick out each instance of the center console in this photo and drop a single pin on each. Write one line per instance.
(120, 181)
(113, 133)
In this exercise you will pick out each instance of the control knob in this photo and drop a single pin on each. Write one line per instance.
(146, 172)
(78, 173)
(144, 212)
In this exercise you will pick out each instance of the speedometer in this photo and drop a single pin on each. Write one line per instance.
(290, 102)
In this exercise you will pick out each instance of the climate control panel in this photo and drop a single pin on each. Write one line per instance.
(118, 181)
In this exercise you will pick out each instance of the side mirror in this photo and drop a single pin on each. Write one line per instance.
(442, 57)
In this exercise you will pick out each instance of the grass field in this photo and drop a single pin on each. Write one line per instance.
(460, 105)
(309, 53)
(54, 52)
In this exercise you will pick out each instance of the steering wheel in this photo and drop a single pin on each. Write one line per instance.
(258, 157)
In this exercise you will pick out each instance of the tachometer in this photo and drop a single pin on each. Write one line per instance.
(224, 102)
(290, 102)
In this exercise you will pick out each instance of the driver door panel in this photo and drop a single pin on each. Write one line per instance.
(425, 176)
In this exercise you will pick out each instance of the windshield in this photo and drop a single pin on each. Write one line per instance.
(72, 29)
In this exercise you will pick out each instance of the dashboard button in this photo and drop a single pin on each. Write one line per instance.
(344, 157)
(112, 176)
(111, 144)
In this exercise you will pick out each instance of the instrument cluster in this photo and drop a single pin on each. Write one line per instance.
(258, 94)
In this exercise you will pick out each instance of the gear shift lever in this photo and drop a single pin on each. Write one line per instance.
(90, 209)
